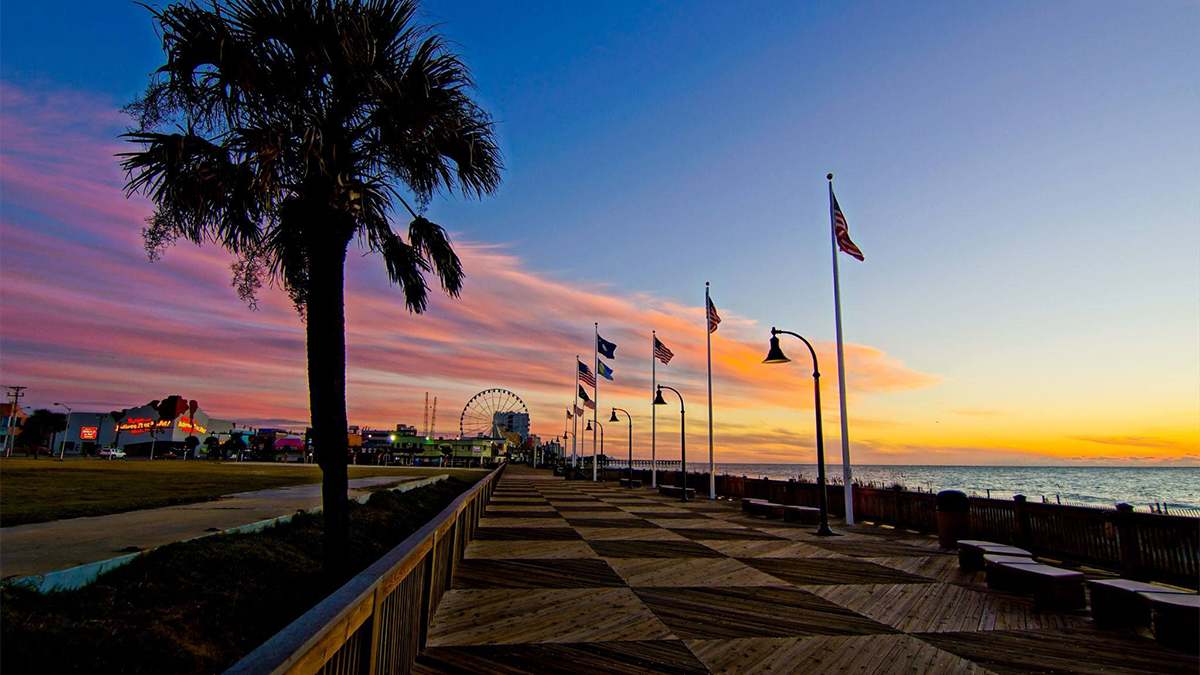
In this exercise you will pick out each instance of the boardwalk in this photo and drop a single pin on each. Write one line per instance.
(575, 577)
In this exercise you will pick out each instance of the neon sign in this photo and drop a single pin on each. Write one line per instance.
(88, 433)
(190, 424)
(140, 425)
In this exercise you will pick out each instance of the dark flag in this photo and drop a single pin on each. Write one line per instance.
(603, 369)
(608, 349)
(587, 401)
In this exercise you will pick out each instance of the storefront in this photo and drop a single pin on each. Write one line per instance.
(136, 432)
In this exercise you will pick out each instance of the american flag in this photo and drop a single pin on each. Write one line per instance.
(578, 411)
(585, 374)
(842, 231)
(662, 353)
(713, 317)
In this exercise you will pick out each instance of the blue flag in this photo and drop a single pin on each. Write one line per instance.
(604, 370)
(608, 349)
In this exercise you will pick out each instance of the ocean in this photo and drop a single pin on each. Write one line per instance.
(1176, 487)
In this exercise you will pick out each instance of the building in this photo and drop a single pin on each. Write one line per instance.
(136, 431)
(414, 450)
(511, 422)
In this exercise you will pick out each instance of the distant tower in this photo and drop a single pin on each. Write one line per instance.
(425, 419)
(433, 420)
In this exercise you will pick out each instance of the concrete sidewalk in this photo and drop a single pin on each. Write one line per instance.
(39, 548)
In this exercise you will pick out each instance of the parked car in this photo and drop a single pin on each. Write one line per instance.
(112, 453)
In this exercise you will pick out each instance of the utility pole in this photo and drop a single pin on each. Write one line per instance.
(15, 394)
(433, 420)
(425, 419)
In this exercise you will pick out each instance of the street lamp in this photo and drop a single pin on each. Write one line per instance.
(594, 460)
(629, 419)
(658, 400)
(776, 355)
(62, 445)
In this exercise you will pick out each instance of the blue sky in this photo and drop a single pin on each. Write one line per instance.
(1023, 177)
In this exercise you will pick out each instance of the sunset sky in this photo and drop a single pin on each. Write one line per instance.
(1024, 179)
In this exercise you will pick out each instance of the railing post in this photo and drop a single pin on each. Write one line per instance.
(376, 630)
(1024, 534)
(1127, 541)
(427, 592)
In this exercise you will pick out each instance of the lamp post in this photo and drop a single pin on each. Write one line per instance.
(62, 444)
(659, 400)
(629, 419)
(595, 460)
(562, 455)
(776, 355)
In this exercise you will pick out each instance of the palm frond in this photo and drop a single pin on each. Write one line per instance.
(433, 244)
(294, 124)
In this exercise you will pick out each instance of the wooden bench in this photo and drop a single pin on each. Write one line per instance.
(998, 577)
(1051, 587)
(630, 483)
(805, 515)
(675, 491)
(1118, 602)
(753, 506)
(1175, 619)
(971, 552)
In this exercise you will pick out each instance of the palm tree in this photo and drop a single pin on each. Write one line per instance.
(283, 130)
(42, 426)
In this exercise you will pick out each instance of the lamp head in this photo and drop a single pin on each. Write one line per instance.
(658, 398)
(589, 426)
(775, 354)
(613, 418)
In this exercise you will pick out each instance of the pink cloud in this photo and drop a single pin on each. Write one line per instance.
(85, 317)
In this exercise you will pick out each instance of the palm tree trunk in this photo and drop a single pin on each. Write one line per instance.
(325, 323)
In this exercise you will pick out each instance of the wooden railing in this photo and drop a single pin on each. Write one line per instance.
(1139, 545)
(378, 621)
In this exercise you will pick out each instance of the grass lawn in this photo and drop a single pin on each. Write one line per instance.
(33, 491)
(198, 606)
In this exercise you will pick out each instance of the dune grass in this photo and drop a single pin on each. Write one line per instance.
(33, 491)
(198, 606)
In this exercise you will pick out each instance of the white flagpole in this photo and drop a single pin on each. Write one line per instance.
(595, 399)
(712, 479)
(575, 419)
(653, 411)
(847, 483)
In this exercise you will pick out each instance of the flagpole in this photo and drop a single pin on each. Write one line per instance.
(575, 417)
(712, 479)
(847, 483)
(653, 412)
(595, 396)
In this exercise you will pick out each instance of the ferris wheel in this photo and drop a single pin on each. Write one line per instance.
(491, 413)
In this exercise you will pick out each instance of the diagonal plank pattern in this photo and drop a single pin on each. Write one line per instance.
(580, 577)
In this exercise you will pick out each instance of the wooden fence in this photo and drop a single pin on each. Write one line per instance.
(378, 621)
(1139, 545)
